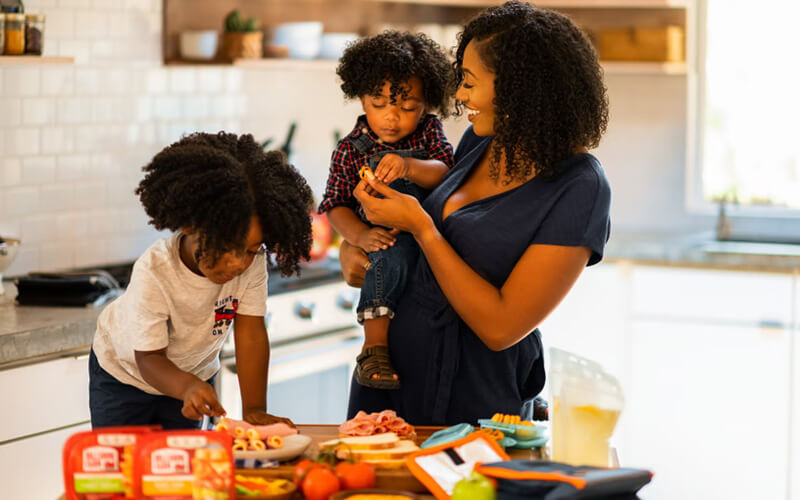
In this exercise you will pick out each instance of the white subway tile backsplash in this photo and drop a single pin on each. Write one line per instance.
(11, 173)
(90, 194)
(38, 111)
(233, 79)
(58, 81)
(87, 81)
(22, 200)
(103, 110)
(74, 110)
(210, 80)
(27, 260)
(57, 140)
(222, 106)
(196, 106)
(167, 107)
(156, 81)
(10, 111)
(38, 228)
(90, 253)
(181, 80)
(117, 81)
(139, 5)
(56, 197)
(60, 24)
(103, 49)
(22, 141)
(38, 170)
(71, 167)
(74, 4)
(21, 81)
(79, 49)
(71, 226)
(107, 4)
(54, 256)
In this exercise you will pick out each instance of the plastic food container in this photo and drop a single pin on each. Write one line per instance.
(14, 35)
(34, 34)
(2, 33)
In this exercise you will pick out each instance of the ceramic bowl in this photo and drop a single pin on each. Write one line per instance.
(199, 45)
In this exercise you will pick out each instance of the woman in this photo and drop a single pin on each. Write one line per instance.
(507, 232)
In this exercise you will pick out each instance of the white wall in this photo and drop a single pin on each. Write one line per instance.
(74, 138)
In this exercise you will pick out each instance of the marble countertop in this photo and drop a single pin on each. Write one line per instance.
(29, 334)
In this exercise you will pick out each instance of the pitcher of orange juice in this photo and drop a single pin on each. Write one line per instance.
(586, 403)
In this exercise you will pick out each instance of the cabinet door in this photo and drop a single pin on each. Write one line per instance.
(31, 468)
(708, 409)
(590, 320)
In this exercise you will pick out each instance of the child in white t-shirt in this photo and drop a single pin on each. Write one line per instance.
(156, 348)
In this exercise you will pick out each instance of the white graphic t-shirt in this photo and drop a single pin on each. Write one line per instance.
(167, 305)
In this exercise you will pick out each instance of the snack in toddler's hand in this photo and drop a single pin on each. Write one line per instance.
(366, 173)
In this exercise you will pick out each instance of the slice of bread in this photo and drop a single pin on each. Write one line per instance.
(400, 450)
(396, 463)
(375, 442)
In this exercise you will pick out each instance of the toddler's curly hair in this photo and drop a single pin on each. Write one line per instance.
(397, 57)
(550, 98)
(215, 183)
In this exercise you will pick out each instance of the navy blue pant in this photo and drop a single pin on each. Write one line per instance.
(113, 403)
(386, 278)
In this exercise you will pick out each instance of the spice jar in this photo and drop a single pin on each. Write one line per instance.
(2, 33)
(15, 34)
(34, 34)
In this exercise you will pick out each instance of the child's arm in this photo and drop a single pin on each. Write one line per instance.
(424, 173)
(198, 397)
(252, 364)
(356, 232)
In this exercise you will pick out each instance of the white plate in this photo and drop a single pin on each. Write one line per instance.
(293, 447)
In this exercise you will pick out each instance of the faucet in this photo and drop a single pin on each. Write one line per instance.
(724, 226)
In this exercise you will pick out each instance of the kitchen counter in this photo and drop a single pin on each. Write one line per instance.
(700, 250)
(29, 334)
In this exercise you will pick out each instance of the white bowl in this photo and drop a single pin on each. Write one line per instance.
(8, 250)
(199, 45)
(332, 45)
(303, 39)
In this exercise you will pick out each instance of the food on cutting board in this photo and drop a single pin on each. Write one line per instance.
(510, 419)
(248, 486)
(368, 424)
(247, 436)
(375, 442)
(99, 463)
(381, 450)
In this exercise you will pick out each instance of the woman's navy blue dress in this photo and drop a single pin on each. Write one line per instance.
(447, 374)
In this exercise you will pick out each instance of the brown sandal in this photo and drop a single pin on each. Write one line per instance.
(374, 360)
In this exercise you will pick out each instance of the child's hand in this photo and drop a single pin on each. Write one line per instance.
(258, 417)
(201, 399)
(375, 239)
(391, 167)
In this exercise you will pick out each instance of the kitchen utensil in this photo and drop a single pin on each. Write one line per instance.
(332, 45)
(8, 251)
(303, 39)
(199, 45)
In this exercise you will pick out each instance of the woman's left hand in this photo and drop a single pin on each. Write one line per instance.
(396, 210)
(258, 417)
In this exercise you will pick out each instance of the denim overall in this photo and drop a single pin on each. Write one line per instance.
(387, 276)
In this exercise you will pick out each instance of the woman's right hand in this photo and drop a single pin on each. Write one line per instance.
(354, 262)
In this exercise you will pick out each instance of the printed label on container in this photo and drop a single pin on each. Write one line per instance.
(188, 442)
(99, 483)
(118, 440)
(169, 485)
(170, 461)
(100, 459)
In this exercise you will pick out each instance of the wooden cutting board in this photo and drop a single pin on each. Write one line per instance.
(391, 479)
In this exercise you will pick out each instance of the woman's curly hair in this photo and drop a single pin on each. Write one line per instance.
(397, 57)
(550, 98)
(215, 183)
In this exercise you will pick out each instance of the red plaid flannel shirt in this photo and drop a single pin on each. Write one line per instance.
(346, 160)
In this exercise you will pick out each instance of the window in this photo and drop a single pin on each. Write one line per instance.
(745, 141)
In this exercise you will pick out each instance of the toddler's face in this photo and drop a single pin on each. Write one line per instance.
(393, 121)
(235, 262)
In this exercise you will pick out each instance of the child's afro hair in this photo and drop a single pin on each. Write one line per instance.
(396, 57)
(215, 183)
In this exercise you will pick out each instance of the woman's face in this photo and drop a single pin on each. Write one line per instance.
(392, 122)
(477, 91)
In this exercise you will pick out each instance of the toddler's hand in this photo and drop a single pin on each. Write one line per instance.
(258, 417)
(375, 239)
(391, 167)
(201, 399)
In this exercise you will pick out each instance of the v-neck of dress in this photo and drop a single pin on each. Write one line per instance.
(479, 150)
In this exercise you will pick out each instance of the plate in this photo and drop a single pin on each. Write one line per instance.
(293, 447)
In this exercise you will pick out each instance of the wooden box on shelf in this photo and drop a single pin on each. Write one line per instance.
(664, 44)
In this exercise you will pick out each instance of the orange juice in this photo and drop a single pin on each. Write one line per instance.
(581, 433)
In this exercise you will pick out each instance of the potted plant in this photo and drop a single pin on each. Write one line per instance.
(242, 38)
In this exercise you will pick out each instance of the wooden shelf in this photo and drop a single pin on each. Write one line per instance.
(16, 60)
(556, 4)
(610, 67)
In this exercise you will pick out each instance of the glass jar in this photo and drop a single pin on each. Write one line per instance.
(34, 34)
(2, 33)
(15, 35)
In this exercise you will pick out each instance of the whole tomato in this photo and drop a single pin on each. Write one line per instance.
(320, 483)
(302, 468)
(356, 476)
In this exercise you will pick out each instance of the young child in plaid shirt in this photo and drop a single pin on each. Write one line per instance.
(400, 78)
